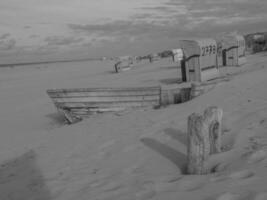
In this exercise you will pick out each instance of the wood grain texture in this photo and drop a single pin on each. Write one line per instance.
(83, 102)
(204, 139)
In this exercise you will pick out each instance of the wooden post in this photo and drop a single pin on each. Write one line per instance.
(204, 139)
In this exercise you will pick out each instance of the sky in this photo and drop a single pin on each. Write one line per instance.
(39, 30)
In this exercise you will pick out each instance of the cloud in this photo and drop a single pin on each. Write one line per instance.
(41, 50)
(62, 40)
(7, 44)
(121, 25)
(120, 29)
(112, 28)
(26, 27)
(224, 9)
(179, 18)
(4, 36)
(207, 17)
(34, 36)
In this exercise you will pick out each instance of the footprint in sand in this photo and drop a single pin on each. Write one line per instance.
(165, 187)
(103, 151)
(170, 178)
(228, 196)
(111, 187)
(261, 196)
(218, 178)
(244, 174)
(145, 194)
(96, 184)
(167, 178)
(244, 195)
(257, 156)
(107, 144)
(134, 169)
(190, 185)
(220, 167)
(101, 155)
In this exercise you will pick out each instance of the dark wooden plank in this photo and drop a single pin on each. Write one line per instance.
(108, 99)
(103, 89)
(104, 93)
(106, 104)
(89, 111)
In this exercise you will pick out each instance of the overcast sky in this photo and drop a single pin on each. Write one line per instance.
(59, 29)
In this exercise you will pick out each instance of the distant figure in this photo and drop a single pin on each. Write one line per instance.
(150, 59)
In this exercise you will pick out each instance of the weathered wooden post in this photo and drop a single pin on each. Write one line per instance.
(204, 139)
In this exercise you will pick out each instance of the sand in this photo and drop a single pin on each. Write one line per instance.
(137, 154)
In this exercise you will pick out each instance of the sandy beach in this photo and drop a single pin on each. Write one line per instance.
(136, 154)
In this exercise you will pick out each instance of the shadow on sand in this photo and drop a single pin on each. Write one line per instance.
(176, 134)
(176, 157)
(170, 81)
(170, 67)
(21, 179)
(57, 119)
